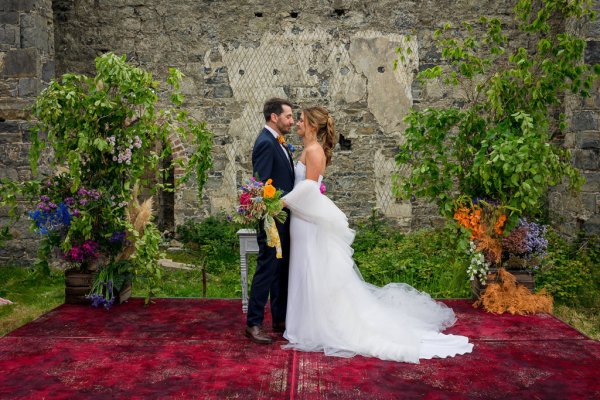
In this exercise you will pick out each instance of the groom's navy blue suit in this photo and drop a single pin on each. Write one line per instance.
(271, 277)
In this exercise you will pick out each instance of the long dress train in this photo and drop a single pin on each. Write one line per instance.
(333, 310)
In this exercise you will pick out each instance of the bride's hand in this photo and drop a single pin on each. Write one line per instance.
(283, 205)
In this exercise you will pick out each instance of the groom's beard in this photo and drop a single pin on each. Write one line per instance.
(284, 130)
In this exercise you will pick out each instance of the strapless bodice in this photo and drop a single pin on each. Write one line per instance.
(300, 173)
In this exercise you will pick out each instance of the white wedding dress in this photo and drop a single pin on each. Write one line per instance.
(331, 309)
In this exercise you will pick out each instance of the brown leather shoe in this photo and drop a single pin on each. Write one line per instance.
(279, 327)
(257, 335)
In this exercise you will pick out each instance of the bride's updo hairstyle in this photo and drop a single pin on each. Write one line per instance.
(320, 118)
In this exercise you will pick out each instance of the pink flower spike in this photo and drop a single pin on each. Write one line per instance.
(323, 188)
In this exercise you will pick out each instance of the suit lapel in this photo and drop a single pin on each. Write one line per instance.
(289, 161)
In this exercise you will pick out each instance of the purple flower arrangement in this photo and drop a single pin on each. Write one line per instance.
(526, 245)
(54, 217)
(106, 298)
(87, 251)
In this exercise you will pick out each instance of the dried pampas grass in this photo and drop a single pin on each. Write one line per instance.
(506, 295)
(139, 215)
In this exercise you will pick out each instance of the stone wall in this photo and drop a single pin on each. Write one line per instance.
(26, 66)
(236, 54)
(574, 213)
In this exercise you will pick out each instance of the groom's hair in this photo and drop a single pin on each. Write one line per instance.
(274, 105)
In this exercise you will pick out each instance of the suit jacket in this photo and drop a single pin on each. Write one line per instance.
(269, 161)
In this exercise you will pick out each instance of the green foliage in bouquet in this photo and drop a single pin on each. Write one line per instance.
(498, 144)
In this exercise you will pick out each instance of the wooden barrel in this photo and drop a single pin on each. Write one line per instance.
(78, 285)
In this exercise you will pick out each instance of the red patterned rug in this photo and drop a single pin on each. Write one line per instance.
(192, 348)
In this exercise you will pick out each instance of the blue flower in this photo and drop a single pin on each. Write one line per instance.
(53, 220)
(117, 237)
(291, 147)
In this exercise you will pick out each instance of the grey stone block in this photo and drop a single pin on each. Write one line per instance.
(9, 127)
(223, 91)
(9, 18)
(9, 138)
(588, 140)
(592, 225)
(592, 52)
(589, 202)
(17, 5)
(29, 87)
(592, 182)
(584, 121)
(593, 29)
(20, 63)
(9, 88)
(35, 32)
(9, 35)
(48, 71)
(586, 159)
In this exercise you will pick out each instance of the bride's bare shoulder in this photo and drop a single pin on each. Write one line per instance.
(315, 150)
(315, 160)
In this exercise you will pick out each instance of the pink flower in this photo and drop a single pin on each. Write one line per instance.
(245, 199)
(323, 188)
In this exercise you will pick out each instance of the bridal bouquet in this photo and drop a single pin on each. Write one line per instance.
(261, 201)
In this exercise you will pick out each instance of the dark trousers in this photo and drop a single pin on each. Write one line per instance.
(270, 278)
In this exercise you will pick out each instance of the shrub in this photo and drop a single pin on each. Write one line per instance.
(571, 272)
(429, 260)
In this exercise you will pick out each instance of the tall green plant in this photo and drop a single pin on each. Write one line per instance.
(498, 145)
(104, 134)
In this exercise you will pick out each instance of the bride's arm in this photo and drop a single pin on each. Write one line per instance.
(315, 163)
(314, 159)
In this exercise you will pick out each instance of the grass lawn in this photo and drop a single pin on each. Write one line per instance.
(34, 295)
(31, 294)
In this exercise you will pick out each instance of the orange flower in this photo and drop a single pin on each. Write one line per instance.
(269, 191)
(281, 139)
(500, 224)
(269, 182)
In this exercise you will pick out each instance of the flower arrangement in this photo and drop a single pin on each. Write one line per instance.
(100, 132)
(260, 201)
(492, 245)
(485, 224)
(525, 246)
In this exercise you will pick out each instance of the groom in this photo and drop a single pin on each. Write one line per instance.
(271, 159)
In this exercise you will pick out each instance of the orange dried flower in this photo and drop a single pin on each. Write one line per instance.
(500, 224)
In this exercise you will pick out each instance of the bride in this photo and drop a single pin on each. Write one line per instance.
(331, 309)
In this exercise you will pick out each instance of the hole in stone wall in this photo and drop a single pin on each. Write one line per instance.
(166, 198)
(339, 12)
(258, 14)
(345, 144)
(381, 70)
(294, 14)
